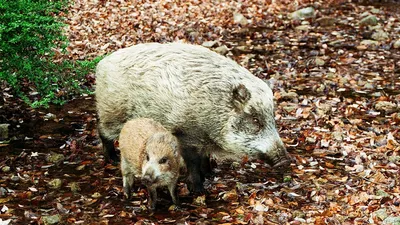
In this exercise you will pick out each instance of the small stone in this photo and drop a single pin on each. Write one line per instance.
(222, 50)
(336, 43)
(230, 195)
(396, 44)
(369, 86)
(324, 109)
(6, 169)
(387, 107)
(311, 140)
(4, 131)
(305, 22)
(289, 108)
(382, 193)
(381, 213)
(375, 11)
(370, 20)
(376, 27)
(303, 13)
(173, 208)
(3, 191)
(49, 116)
(200, 200)
(369, 43)
(326, 21)
(380, 35)
(303, 27)
(49, 220)
(240, 19)
(96, 195)
(55, 183)
(209, 44)
(319, 61)
(80, 167)
(55, 158)
(321, 88)
(235, 165)
(15, 178)
(298, 214)
(337, 136)
(242, 48)
(394, 159)
(289, 95)
(74, 187)
(391, 220)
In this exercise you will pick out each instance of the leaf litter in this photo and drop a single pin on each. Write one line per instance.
(335, 70)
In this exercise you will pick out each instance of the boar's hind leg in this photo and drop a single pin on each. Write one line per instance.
(205, 167)
(193, 163)
(108, 148)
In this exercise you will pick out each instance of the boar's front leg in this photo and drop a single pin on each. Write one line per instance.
(108, 148)
(193, 161)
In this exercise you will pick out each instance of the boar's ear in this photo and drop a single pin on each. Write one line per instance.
(240, 96)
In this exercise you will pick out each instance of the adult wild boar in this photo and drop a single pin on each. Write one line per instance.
(212, 104)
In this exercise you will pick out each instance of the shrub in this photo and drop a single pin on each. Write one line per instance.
(30, 30)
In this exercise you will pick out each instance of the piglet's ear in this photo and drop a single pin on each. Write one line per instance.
(175, 148)
(240, 96)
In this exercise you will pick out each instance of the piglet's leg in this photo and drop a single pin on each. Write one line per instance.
(127, 178)
(152, 197)
(172, 192)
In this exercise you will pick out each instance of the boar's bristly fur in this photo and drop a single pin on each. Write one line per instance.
(212, 104)
(152, 153)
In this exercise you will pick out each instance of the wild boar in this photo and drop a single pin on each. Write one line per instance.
(151, 152)
(212, 104)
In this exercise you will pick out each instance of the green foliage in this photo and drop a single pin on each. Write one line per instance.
(30, 31)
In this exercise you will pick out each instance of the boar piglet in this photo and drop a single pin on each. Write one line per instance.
(152, 153)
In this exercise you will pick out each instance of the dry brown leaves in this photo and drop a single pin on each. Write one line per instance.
(338, 110)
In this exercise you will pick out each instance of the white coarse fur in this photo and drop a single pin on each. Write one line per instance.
(186, 88)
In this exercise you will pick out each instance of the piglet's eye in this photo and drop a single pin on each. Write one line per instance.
(163, 160)
(147, 157)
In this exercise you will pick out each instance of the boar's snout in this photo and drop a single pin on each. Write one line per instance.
(280, 158)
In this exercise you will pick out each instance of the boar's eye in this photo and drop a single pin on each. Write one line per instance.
(256, 121)
(163, 160)
(147, 157)
(257, 124)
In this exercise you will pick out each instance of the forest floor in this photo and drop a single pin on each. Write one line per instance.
(336, 73)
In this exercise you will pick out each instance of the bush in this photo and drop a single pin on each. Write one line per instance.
(30, 30)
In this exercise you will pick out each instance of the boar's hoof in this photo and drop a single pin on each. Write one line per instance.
(127, 195)
(197, 189)
(283, 164)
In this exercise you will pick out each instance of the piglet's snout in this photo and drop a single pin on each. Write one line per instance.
(148, 177)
